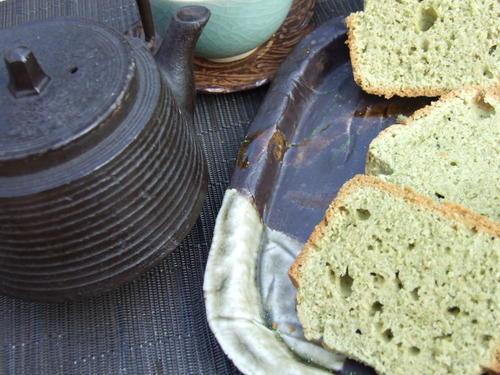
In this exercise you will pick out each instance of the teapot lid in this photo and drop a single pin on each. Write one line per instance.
(63, 84)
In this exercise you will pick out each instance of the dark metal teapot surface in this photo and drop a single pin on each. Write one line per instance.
(100, 172)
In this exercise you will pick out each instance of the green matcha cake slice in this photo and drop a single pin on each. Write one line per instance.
(425, 47)
(401, 283)
(449, 151)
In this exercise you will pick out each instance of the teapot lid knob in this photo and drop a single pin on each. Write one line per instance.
(26, 76)
(65, 85)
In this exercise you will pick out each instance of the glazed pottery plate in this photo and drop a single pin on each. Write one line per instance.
(310, 136)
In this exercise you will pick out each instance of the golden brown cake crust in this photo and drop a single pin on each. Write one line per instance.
(448, 210)
(494, 367)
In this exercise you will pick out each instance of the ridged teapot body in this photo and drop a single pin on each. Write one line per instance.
(101, 182)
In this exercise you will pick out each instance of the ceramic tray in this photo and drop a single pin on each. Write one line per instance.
(310, 136)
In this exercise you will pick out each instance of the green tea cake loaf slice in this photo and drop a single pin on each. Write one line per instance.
(401, 283)
(449, 151)
(425, 47)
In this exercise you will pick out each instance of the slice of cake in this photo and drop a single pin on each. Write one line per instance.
(401, 283)
(425, 47)
(449, 151)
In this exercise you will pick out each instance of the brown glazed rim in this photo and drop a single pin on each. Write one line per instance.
(261, 66)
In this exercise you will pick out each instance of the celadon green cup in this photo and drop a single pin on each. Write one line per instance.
(236, 27)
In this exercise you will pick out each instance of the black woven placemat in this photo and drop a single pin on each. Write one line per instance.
(156, 324)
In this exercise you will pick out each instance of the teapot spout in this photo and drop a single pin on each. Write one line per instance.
(175, 56)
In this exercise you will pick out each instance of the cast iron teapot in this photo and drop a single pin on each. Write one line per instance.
(100, 172)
